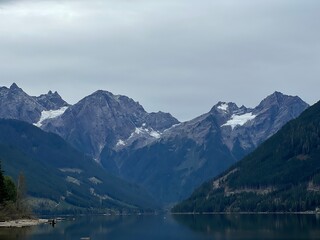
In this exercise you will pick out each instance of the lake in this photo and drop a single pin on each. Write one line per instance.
(166, 227)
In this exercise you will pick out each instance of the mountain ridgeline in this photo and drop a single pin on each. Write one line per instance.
(281, 175)
(102, 120)
(16, 104)
(190, 153)
(167, 158)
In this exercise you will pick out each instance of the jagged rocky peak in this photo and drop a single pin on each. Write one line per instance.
(223, 106)
(276, 98)
(16, 104)
(51, 101)
(14, 86)
(279, 99)
(253, 126)
(104, 120)
(121, 106)
(115, 102)
(228, 108)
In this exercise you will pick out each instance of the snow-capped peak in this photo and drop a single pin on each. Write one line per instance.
(49, 115)
(223, 106)
(239, 120)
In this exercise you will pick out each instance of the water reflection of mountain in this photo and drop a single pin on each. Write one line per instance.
(233, 226)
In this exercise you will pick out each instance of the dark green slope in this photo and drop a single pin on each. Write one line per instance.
(60, 176)
(168, 170)
(283, 174)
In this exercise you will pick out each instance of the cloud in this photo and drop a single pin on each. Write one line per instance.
(178, 56)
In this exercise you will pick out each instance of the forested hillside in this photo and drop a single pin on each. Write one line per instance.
(59, 178)
(282, 175)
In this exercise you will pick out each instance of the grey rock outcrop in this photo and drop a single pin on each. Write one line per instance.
(51, 101)
(16, 104)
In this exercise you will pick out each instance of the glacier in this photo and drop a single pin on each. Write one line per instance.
(239, 120)
(50, 114)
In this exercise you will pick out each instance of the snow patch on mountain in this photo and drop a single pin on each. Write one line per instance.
(143, 130)
(155, 134)
(138, 130)
(49, 115)
(239, 120)
(120, 143)
(223, 107)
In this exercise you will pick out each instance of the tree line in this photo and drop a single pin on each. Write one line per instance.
(12, 197)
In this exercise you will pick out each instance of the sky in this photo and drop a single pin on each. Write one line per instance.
(177, 56)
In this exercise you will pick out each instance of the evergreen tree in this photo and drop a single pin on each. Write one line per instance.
(10, 189)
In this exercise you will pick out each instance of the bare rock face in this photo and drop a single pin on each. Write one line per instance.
(190, 153)
(103, 120)
(250, 127)
(51, 101)
(16, 104)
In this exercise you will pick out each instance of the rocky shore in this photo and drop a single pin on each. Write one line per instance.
(23, 223)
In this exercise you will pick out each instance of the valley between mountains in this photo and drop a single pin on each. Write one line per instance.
(107, 152)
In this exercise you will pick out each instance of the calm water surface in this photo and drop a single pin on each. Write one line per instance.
(166, 227)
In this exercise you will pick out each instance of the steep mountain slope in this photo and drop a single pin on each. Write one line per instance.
(16, 104)
(282, 174)
(192, 152)
(58, 174)
(103, 120)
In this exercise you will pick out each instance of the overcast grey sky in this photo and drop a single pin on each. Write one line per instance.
(178, 56)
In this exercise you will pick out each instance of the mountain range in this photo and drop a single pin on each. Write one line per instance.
(61, 179)
(16, 104)
(154, 150)
(281, 175)
(190, 153)
(102, 120)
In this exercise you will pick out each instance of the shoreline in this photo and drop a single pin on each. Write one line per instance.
(19, 223)
(245, 213)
